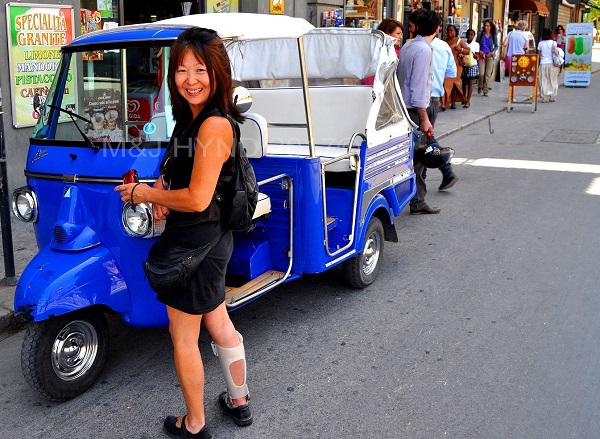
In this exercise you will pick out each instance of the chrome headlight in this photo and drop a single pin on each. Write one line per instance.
(139, 222)
(25, 204)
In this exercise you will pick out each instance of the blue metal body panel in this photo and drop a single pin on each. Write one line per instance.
(251, 257)
(56, 283)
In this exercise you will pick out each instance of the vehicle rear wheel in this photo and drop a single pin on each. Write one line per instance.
(63, 356)
(361, 270)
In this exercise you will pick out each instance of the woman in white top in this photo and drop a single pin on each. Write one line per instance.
(548, 74)
(470, 74)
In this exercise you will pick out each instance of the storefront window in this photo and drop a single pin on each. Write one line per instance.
(363, 13)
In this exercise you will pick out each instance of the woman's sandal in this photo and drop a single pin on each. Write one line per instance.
(240, 413)
(173, 431)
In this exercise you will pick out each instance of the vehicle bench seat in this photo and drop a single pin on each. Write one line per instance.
(337, 113)
(325, 153)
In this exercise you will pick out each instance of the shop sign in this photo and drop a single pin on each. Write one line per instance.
(276, 6)
(105, 7)
(35, 35)
(578, 55)
(222, 6)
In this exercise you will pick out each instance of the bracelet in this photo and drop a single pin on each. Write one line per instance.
(132, 189)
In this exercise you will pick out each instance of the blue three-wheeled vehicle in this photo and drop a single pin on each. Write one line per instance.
(333, 158)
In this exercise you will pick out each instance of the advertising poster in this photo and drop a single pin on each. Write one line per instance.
(91, 21)
(276, 7)
(578, 55)
(222, 6)
(35, 35)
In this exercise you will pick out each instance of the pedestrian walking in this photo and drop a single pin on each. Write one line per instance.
(444, 67)
(415, 70)
(515, 43)
(470, 75)
(548, 73)
(452, 86)
(488, 47)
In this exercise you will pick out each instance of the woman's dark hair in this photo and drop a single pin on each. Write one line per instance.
(451, 26)
(559, 27)
(547, 34)
(389, 25)
(206, 45)
(493, 29)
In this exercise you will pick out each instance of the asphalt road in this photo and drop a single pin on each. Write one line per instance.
(483, 322)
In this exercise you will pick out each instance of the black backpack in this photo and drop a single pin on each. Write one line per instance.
(237, 207)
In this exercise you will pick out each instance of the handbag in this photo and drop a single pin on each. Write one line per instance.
(169, 267)
(557, 60)
(469, 59)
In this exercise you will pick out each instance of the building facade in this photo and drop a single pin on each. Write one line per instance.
(90, 15)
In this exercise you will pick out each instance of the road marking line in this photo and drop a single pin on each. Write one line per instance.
(594, 187)
(529, 164)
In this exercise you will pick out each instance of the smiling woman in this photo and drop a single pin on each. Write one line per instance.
(198, 165)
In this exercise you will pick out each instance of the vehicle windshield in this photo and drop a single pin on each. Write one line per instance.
(121, 94)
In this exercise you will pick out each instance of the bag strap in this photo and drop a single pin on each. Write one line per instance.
(235, 149)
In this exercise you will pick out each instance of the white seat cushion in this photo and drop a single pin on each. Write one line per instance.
(263, 206)
(254, 135)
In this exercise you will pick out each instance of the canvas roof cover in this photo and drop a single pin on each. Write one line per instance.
(329, 52)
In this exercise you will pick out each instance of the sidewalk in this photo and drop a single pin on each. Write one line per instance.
(451, 121)
(448, 122)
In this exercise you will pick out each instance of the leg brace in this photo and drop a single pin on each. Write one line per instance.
(227, 356)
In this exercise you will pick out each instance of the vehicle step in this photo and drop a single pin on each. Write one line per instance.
(331, 222)
(234, 294)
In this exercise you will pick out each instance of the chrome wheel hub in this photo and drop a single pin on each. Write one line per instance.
(74, 350)
(371, 253)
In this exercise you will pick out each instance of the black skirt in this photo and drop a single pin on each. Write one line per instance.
(206, 290)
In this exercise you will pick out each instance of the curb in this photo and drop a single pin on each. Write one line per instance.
(473, 122)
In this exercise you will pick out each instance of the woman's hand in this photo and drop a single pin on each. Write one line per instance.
(159, 211)
(140, 194)
(134, 193)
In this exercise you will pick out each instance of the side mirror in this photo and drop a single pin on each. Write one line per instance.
(242, 98)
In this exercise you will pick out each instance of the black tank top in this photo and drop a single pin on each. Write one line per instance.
(177, 166)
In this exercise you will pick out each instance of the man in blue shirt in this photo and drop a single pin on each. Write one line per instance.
(415, 70)
(443, 67)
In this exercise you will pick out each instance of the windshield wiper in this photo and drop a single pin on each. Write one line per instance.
(88, 142)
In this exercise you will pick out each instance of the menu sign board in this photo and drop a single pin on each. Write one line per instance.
(35, 35)
(523, 70)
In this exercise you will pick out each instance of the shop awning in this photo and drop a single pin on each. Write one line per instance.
(525, 6)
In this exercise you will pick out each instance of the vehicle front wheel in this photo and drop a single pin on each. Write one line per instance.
(63, 356)
(361, 270)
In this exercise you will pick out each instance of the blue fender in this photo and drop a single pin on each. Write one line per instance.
(58, 282)
(381, 205)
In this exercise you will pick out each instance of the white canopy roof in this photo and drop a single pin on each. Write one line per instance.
(245, 26)
(329, 52)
